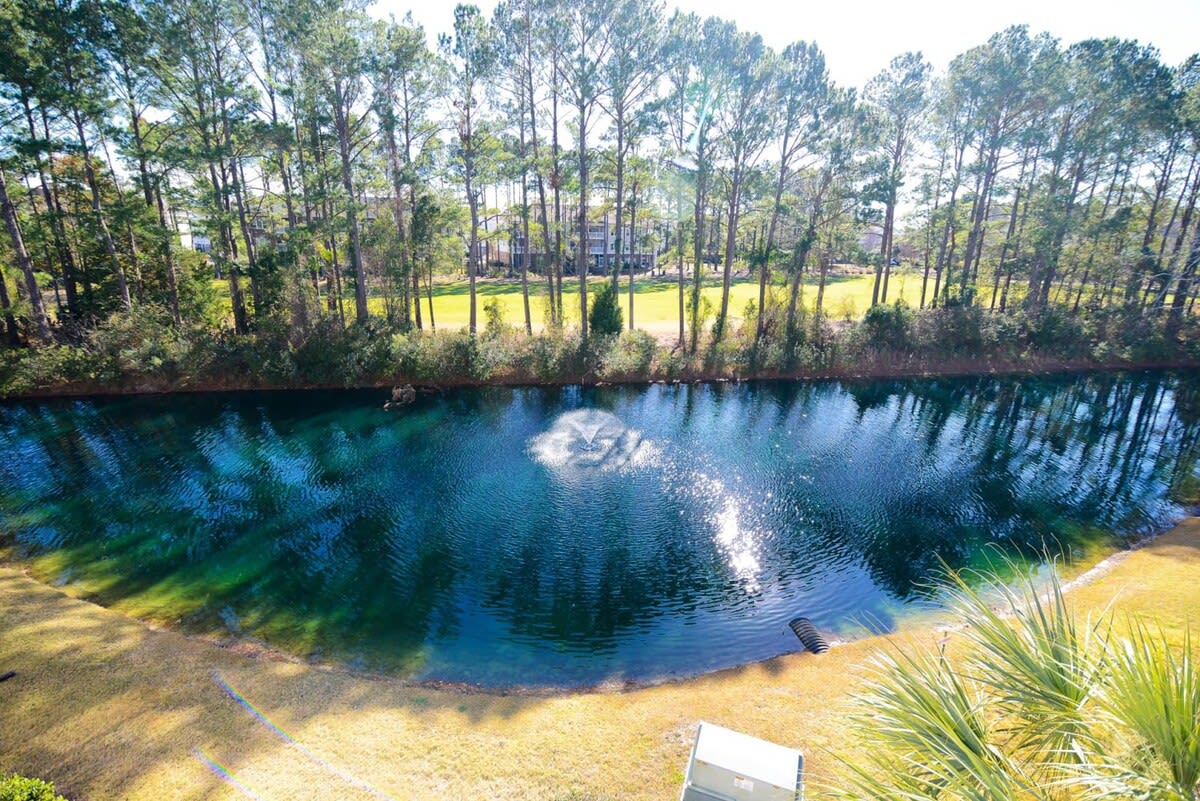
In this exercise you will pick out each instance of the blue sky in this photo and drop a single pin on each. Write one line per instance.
(860, 37)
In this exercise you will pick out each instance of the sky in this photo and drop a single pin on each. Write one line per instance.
(859, 37)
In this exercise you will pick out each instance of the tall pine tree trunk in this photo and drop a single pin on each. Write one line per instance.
(633, 244)
(620, 210)
(581, 256)
(40, 321)
(764, 268)
(525, 250)
(54, 211)
(110, 247)
(168, 254)
(730, 246)
(698, 234)
(398, 218)
(342, 125)
(12, 335)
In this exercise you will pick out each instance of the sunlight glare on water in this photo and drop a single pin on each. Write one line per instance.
(568, 536)
(738, 545)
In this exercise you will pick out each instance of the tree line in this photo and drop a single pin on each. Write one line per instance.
(330, 159)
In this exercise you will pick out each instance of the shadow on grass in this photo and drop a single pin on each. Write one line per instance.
(537, 288)
(108, 708)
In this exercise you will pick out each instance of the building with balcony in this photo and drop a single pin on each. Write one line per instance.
(639, 248)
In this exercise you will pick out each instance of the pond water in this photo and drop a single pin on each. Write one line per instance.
(570, 536)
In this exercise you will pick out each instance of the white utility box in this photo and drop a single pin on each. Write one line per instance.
(730, 766)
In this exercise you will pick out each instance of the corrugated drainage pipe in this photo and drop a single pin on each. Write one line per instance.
(807, 633)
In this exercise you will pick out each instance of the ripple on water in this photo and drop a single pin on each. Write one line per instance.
(541, 536)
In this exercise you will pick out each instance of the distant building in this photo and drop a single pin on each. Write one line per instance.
(871, 239)
(640, 249)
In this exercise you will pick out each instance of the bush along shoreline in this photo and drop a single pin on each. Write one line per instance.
(142, 352)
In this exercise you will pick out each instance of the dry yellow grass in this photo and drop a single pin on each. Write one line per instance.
(108, 708)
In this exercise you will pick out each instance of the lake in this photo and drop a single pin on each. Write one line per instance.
(571, 536)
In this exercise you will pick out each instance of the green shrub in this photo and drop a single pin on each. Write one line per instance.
(331, 354)
(12, 363)
(773, 314)
(375, 357)
(954, 329)
(556, 355)
(142, 348)
(263, 357)
(888, 326)
(1053, 331)
(325, 355)
(704, 312)
(771, 356)
(846, 310)
(439, 356)
(493, 315)
(604, 316)
(750, 318)
(142, 341)
(1008, 335)
(630, 356)
(734, 350)
(50, 366)
(673, 362)
(824, 345)
(1145, 338)
(501, 352)
(1187, 338)
(19, 788)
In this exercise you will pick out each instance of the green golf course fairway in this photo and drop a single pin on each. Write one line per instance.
(656, 302)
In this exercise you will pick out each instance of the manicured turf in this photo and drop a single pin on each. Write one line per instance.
(110, 709)
(656, 300)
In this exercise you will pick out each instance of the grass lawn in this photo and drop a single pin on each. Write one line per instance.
(109, 708)
(656, 302)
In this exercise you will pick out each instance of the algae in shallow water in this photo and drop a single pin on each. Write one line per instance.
(441, 541)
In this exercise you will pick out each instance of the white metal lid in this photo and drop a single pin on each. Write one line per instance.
(747, 756)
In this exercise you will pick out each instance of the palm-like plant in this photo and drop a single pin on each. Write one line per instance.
(1038, 706)
(1152, 701)
(1040, 667)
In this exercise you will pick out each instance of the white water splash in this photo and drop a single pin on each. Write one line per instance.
(591, 438)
